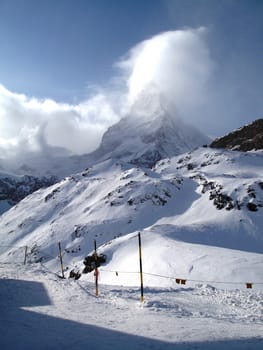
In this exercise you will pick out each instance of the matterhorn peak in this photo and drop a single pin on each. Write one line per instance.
(150, 131)
(149, 103)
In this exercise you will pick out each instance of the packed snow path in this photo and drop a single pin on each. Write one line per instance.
(41, 311)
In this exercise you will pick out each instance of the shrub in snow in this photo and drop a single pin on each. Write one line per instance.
(91, 262)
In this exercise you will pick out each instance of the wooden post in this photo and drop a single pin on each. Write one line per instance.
(140, 261)
(96, 273)
(61, 261)
(25, 255)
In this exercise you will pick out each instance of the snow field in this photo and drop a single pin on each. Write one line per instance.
(67, 313)
(184, 236)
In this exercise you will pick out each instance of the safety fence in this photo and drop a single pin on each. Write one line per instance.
(22, 252)
(183, 281)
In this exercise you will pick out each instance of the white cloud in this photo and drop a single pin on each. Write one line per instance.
(32, 125)
(176, 62)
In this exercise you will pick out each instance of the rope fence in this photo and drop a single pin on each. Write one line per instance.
(182, 281)
(141, 274)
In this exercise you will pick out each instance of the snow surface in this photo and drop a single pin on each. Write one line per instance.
(41, 311)
(196, 226)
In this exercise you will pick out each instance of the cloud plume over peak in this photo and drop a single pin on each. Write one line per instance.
(177, 63)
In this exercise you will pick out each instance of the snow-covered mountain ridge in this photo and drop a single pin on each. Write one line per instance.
(191, 204)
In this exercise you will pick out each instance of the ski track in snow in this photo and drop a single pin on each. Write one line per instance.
(40, 310)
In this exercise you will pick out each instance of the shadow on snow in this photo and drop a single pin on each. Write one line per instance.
(25, 330)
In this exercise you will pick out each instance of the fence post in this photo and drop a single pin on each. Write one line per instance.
(140, 261)
(96, 273)
(61, 261)
(25, 255)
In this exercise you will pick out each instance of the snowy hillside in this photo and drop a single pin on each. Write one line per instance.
(200, 215)
(200, 218)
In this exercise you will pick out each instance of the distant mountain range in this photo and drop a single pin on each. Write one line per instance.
(14, 188)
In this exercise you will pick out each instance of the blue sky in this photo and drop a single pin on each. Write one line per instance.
(55, 48)
(60, 49)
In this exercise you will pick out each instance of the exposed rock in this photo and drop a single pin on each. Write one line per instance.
(247, 138)
(252, 206)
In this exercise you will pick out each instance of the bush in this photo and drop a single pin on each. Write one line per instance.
(90, 262)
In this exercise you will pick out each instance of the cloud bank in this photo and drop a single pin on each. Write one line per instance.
(176, 62)
(44, 126)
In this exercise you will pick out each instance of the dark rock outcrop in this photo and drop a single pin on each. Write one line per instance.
(247, 138)
(14, 189)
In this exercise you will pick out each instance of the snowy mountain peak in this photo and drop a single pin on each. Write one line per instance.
(149, 132)
(149, 104)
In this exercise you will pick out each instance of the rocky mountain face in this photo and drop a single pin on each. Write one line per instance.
(15, 188)
(247, 138)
